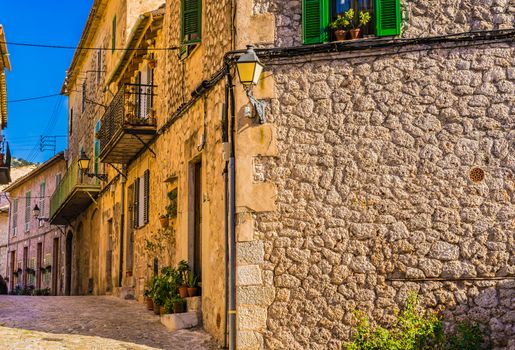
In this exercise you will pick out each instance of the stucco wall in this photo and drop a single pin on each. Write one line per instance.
(43, 232)
(373, 179)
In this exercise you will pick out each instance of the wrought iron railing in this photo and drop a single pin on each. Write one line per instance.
(131, 106)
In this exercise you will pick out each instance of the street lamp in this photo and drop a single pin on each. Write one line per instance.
(249, 71)
(83, 162)
(249, 67)
(36, 212)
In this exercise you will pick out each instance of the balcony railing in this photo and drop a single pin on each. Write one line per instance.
(130, 113)
(72, 196)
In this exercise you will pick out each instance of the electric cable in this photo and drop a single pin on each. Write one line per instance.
(66, 47)
(32, 98)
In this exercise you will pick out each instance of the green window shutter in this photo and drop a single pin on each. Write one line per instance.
(315, 20)
(388, 17)
(191, 21)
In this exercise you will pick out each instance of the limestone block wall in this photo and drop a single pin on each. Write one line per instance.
(378, 193)
(420, 17)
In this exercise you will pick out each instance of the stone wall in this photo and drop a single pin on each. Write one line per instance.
(420, 18)
(377, 192)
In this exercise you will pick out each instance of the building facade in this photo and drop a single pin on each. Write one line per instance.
(16, 173)
(382, 165)
(5, 154)
(34, 253)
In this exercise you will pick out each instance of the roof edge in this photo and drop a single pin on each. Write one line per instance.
(37, 171)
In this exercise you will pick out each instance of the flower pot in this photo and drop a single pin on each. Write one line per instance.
(161, 310)
(156, 308)
(150, 303)
(164, 222)
(193, 292)
(178, 308)
(183, 291)
(339, 34)
(354, 33)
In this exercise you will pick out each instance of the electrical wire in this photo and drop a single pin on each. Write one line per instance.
(65, 47)
(32, 98)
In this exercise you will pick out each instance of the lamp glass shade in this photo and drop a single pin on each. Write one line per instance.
(246, 72)
(83, 162)
(249, 68)
(36, 211)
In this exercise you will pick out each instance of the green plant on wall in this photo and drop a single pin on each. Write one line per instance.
(416, 329)
(171, 208)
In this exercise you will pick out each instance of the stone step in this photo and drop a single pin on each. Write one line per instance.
(127, 293)
(183, 320)
(194, 304)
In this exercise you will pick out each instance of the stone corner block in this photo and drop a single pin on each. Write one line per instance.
(248, 275)
(250, 253)
(249, 340)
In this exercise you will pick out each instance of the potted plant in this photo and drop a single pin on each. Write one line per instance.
(339, 25)
(159, 294)
(356, 23)
(178, 304)
(192, 284)
(183, 269)
(165, 221)
(171, 209)
(168, 307)
(148, 292)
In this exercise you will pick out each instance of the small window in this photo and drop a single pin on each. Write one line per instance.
(71, 122)
(84, 93)
(15, 216)
(28, 198)
(318, 14)
(42, 193)
(113, 35)
(191, 21)
(57, 180)
(141, 202)
(99, 65)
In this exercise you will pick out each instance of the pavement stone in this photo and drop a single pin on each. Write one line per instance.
(88, 322)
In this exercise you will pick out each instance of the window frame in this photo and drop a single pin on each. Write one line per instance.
(14, 217)
(327, 8)
(28, 199)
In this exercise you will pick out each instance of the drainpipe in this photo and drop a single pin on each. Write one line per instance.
(8, 250)
(122, 224)
(226, 150)
(232, 216)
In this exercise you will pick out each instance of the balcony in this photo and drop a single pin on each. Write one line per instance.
(74, 194)
(128, 124)
(5, 163)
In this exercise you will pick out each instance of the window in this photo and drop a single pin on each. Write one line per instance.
(84, 92)
(96, 148)
(27, 211)
(113, 35)
(99, 65)
(141, 200)
(191, 21)
(42, 190)
(318, 14)
(70, 128)
(57, 180)
(15, 216)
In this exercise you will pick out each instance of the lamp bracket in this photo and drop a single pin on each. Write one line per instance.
(118, 170)
(259, 106)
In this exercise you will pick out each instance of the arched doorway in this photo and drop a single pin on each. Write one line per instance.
(68, 273)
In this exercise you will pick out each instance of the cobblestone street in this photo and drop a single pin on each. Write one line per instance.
(88, 323)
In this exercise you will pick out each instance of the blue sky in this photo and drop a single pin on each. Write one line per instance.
(39, 71)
